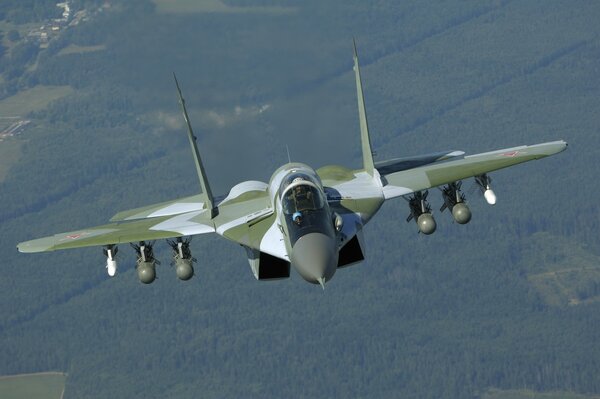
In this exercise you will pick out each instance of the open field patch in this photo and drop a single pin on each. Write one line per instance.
(49, 385)
(23, 30)
(210, 6)
(33, 99)
(75, 49)
(12, 119)
(528, 394)
(566, 274)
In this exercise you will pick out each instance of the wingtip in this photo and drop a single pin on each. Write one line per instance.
(22, 247)
(39, 245)
(559, 145)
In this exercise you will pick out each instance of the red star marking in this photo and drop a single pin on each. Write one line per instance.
(74, 236)
(510, 154)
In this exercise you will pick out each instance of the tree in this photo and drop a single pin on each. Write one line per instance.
(13, 35)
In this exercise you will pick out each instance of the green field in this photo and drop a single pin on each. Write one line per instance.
(506, 306)
(33, 99)
(568, 274)
(23, 30)
(49, 385)
(76, 49)
(20, 105)
(527, 394)
(207, 6)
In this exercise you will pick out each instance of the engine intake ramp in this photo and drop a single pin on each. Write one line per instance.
(267, 267)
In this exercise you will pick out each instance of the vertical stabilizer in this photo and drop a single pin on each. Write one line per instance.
(206, 192)
(362, 114)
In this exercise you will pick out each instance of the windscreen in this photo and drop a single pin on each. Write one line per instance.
(302, 198)
(304, 207)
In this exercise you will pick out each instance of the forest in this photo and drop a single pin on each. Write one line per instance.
(508, 303)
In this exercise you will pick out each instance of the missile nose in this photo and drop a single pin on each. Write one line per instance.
(314, 256)
(490, 196)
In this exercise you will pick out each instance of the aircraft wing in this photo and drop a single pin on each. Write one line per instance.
(169, 208)
(439, 173)
(404, 176)
(244, 216)
(153, 228)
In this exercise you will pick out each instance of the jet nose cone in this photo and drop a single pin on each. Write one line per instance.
(321, 281)
(314, 256)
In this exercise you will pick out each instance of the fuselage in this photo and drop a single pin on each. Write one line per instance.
(305, 220)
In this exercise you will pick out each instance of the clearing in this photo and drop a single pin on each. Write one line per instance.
(50, 385)
(561, 270)
(75, 49)
(528, 394)
(207, 6)
(33, 99)
(14, 109)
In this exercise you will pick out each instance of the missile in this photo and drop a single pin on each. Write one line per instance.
(111, 267)
(111, 262)
(489, 196)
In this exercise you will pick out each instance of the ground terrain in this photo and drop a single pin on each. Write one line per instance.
(48, 385)
(504, 307)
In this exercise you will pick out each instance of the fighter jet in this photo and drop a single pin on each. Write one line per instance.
(311, 220)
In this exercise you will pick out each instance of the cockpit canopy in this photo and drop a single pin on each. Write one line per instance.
(302, 198)
(304, 206)
(300, 193)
